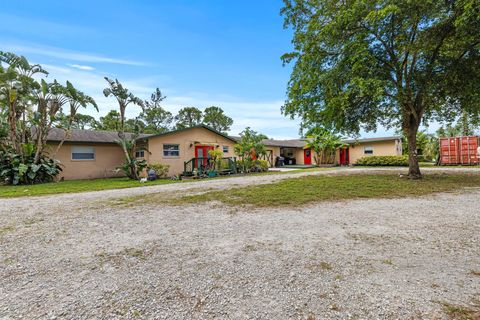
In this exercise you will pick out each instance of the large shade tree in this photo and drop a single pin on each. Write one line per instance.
(399, 63)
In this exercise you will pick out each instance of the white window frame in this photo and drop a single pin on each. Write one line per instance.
(227, 148)
(140, 153)
(82, 148)
(366, 148)
(171, 150)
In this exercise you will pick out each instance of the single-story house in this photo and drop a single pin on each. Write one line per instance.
(88, 154)
(295, 150)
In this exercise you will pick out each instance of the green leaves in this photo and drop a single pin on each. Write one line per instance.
(215, 118)
(324, 143)
(15, 170)
(357, 63)
(188, 117)
(250, 147)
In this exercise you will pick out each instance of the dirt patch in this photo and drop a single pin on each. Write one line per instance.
(75, 257)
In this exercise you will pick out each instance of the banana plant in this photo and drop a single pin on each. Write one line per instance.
(324, 143)
(76, 99)
(16, 82)
(124, 98)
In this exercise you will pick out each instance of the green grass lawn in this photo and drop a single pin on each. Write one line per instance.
(299, 191)
(72, 186)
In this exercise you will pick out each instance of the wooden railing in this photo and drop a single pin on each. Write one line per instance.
(204, 166)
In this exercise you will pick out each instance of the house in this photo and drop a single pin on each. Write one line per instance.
(295, 150)
(90, 154)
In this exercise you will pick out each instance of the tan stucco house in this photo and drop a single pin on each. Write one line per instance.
(90, 154)
(296, 152)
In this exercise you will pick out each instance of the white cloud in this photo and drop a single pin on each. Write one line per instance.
(67, 55)
(81, 67)
(262, 116)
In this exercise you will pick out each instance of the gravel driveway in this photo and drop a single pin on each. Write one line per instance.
(72, 256)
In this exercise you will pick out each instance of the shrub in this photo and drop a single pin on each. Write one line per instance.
(135, 164)
(216, 158)
(15, 171)
(401, 161)
(261, 165)
(247, 165)
(161, 170)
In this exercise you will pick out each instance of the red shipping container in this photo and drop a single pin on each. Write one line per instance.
(459, 151)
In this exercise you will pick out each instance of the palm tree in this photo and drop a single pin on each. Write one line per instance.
(75, 99)
(124, 98)
(17, 82)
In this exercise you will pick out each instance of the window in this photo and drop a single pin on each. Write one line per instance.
(367, 150)
(225, 149)
(171, 150)
(140, 154)
(83, 153)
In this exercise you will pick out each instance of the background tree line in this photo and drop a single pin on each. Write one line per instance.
(154, 118)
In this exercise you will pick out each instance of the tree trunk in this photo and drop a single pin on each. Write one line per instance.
(411, 134)
(12, 122)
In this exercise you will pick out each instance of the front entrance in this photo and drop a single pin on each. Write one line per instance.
(202, 155)
(307, 156)
(344, 156)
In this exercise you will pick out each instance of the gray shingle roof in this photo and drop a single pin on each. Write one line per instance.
(92, 136)
(350, 141)
(293, 143)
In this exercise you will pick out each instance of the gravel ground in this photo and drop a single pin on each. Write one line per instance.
(75, 257)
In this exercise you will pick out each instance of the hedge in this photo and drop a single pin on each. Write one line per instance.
(396, 161)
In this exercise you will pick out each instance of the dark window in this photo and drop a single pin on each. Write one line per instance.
(83, 153)
(368, 150)
(140, 154)
(225, 149)
(171, 150)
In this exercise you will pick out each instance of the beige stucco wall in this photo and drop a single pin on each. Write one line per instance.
(187, 140)
(107, 158)
(298, 154)
(380, 148)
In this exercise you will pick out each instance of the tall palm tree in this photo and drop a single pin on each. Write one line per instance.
(124, 98)
(17, 82)
(76, 99)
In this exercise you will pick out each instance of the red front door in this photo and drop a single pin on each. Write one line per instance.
(307, 156)
(201, 152)
(344, 156)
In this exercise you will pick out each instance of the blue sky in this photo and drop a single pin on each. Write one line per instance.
(199, 53)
